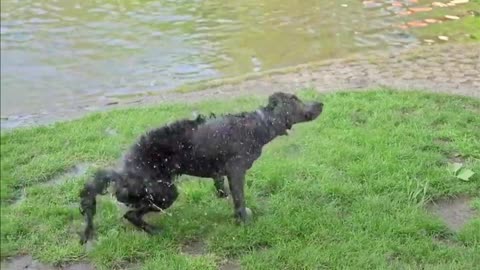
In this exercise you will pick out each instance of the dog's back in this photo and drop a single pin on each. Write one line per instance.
(229, 135)
(160, 150)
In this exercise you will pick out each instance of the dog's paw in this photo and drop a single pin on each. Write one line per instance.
(89, 245)
(248, 211)
(248, 214)
(244, 216)
(222, 194)
(85, 237)
(152, 230)
(83, 240)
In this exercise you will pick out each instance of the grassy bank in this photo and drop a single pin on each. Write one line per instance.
(346, 191)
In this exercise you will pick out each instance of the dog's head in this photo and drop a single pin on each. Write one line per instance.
(291, 110)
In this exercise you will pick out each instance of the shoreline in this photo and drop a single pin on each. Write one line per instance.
(451, 69)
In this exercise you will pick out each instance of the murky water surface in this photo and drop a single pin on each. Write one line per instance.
(57, 53)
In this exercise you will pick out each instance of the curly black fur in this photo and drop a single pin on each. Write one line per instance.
(212, 147)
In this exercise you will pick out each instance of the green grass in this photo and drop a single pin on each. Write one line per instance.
(344, 192)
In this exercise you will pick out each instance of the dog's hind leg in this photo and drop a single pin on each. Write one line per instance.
(220, 186)
(136, 218)
(159, 195)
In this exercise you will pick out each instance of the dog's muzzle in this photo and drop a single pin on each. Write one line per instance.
(313, 111)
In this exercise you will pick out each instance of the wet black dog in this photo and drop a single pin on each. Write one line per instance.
(205, 147)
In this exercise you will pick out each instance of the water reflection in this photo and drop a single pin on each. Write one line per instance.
(57, 52)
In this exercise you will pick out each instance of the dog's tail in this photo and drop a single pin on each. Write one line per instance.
(98, 185)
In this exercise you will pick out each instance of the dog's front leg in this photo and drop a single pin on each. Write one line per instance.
(220, 186)
(236, 180)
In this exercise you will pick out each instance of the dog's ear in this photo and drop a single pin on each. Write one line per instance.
(275, 99)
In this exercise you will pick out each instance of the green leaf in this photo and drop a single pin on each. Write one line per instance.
(465, 174)
(454, 167)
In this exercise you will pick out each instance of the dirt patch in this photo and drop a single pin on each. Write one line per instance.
(442, 141)
(293, 149)
(24, 262)
(20, 199)
(407, 110)
(359, 118)
(111, 132)
(76, 171)
(27, 262)
(456, 158)
(79, 266)
(195, 248)
(452, 157)
(455, 212)
(199, 248)
(230, 265)
(444, 241)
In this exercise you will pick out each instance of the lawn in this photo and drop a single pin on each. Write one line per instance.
(348, 191)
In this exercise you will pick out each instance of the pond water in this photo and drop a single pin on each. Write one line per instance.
(56, 52)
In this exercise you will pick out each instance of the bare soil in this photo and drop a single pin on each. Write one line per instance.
(27, 262)
(455, 212)
(195, 248)
(230, 265)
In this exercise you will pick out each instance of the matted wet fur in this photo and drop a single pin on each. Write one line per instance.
(215, 147)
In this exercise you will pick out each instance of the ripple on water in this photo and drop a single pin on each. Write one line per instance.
(67, 48)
